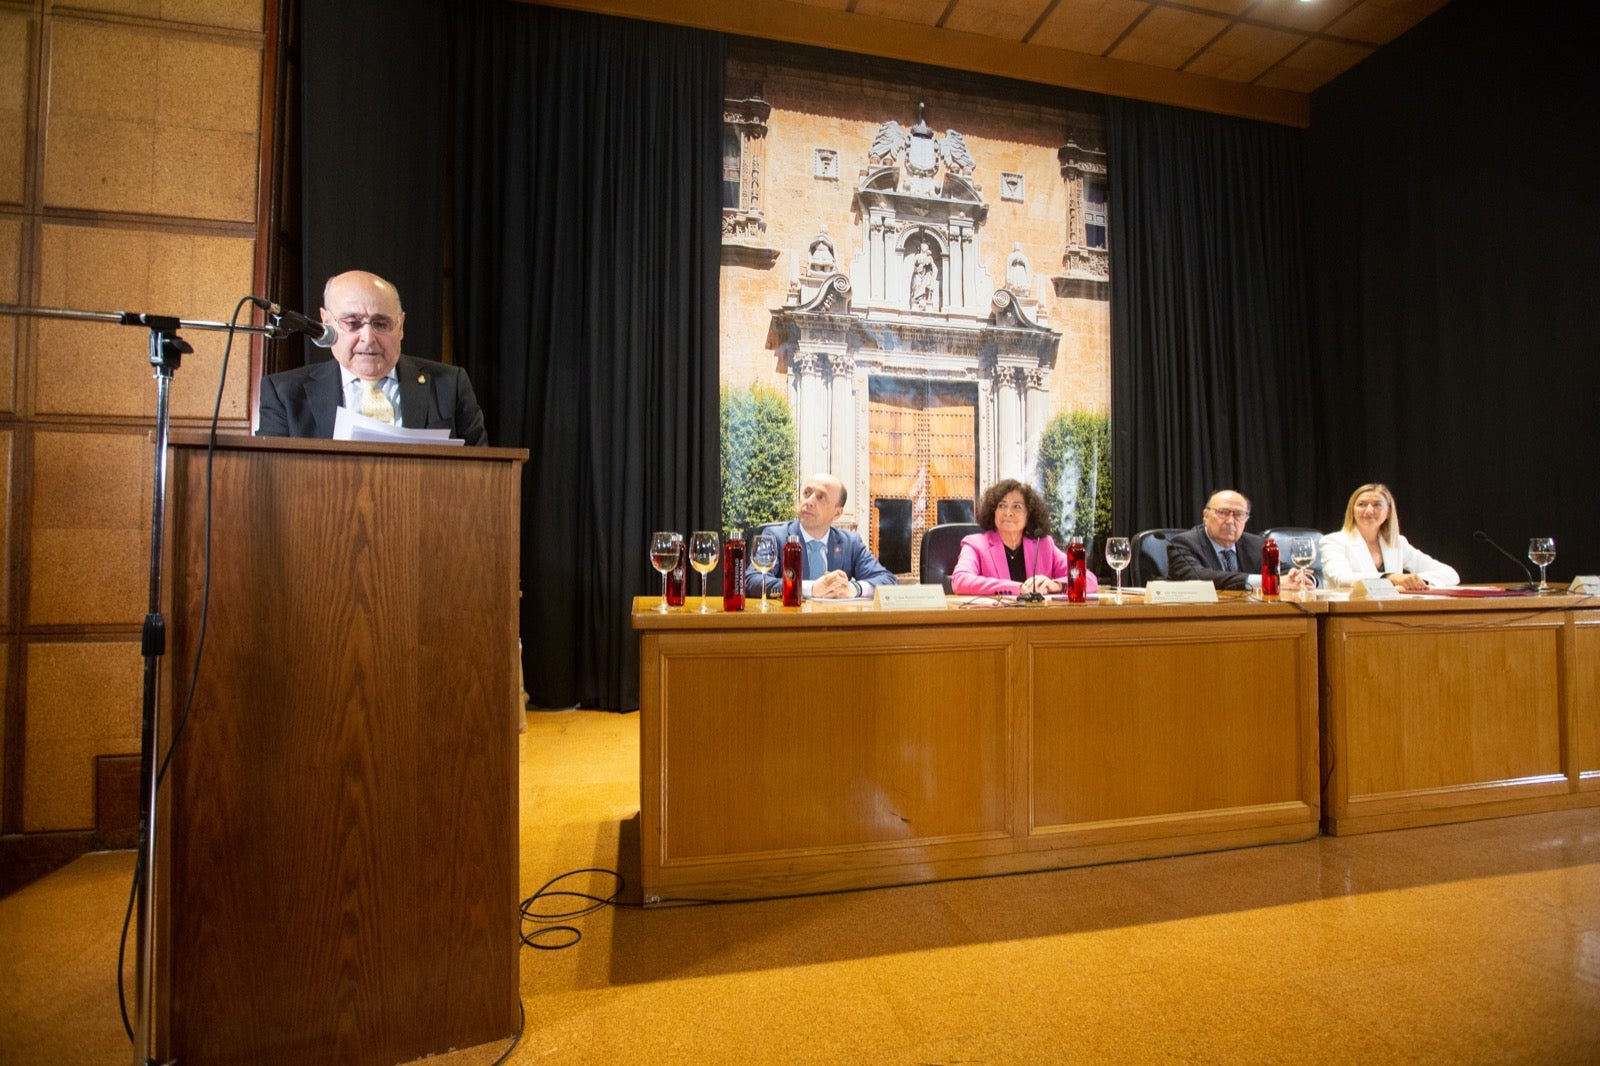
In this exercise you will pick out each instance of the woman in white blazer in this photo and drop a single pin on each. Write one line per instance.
(1014, 554)
(1370, 545)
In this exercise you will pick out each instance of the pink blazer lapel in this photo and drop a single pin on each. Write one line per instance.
(997, 555)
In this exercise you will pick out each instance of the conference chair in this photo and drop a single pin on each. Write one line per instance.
(1284, 535)
(1150, 555)
(941, 550)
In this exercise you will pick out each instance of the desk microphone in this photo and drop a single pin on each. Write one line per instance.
(1034, 596)
(287, 323)
(1532, 584)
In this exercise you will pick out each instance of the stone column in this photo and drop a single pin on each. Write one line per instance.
(1009, 424)
(842, 435)
(878, 257)
(1036, 400)
(810, 411)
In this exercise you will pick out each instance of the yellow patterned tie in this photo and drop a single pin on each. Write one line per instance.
(374, 404)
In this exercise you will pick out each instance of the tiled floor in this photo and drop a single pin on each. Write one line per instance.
(1474, 943)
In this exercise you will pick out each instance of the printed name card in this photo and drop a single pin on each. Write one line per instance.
(911, 598)
(1585, 585)
(1180, 592)
(1374, 588)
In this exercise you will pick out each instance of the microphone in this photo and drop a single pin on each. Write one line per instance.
(1532, 584)
(1034, 596)
(288, 323)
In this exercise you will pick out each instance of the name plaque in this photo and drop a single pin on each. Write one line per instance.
(1180, 592)
(911, 598)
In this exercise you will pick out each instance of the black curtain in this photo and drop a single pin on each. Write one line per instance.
(1209, 351)
(374, 96)
(587, 244)
(1455, 248)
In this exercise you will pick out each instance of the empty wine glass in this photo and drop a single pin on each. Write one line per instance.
(664, 556)
(704, 547)
(1303, 552)
(1542, 552)
(764, 556)
(1119, 553)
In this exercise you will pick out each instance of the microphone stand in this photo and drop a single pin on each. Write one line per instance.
(166, 355)
(1532, 585)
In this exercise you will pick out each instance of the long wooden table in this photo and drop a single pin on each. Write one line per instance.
(1445, 710)
(829, 747)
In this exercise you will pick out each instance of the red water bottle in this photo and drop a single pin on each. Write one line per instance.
(678, 577)
(1269, 569)
(1077, 571)
(794, 568)
(733, 573)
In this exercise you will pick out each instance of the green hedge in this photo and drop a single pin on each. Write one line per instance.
(759, 457)
(1075, 469)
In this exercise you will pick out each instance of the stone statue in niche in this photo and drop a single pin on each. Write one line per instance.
(821, 259)
(924, 281)
(1019, 273)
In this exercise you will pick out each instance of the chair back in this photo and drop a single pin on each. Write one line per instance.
(941, 550)
(1284, 535)
(1150, 555)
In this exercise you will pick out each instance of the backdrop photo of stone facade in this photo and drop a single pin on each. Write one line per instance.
(915, 297)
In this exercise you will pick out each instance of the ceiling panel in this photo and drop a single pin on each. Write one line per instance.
(1253, 58)
(1168, 38)
(1090, 26)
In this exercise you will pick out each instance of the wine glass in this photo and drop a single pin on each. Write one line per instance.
(1119, 553)
(664, 556)
(704, 547)
(1542, 552)
(764, 556)
(1302, 552)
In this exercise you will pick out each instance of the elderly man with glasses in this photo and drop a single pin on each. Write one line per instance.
(368, 373)
(1221, 552)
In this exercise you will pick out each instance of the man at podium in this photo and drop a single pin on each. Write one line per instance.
(368, 373)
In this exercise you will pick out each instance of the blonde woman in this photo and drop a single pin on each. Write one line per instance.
(1370, 545)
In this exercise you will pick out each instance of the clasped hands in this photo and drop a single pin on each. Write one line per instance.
(1039, 583)
(834, 585)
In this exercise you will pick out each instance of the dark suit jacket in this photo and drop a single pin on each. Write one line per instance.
(1190, 557)
(301, 402)
(846, 551)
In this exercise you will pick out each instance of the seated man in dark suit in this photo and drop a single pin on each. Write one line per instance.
(368, 374)
(1220, 551)
(838, 564)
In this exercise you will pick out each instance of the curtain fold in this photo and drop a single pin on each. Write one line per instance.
(1209, 342)
(587, 237)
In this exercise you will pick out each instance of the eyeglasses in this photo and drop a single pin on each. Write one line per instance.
(355, 323)
(1229, 513)
(1010, 507)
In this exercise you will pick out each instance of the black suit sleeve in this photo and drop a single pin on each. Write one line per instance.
(468, 416)
(273, 417)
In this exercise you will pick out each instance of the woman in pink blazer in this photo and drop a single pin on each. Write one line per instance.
(1014, 554)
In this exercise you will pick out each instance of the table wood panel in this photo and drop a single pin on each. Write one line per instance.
(830, 748)
(1437, 714)
(1583, 687)
(1161, 720)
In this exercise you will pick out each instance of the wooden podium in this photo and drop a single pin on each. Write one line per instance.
(337, 874)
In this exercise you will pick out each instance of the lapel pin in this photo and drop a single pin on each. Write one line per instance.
(422, 379)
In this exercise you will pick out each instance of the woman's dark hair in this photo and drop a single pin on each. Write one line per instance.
(1038, 517)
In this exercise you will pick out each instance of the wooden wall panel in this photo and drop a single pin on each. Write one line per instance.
(89, 530)
(10, 291)
(147, 122)
(95, 370)
(84, 699)
(16, 34)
